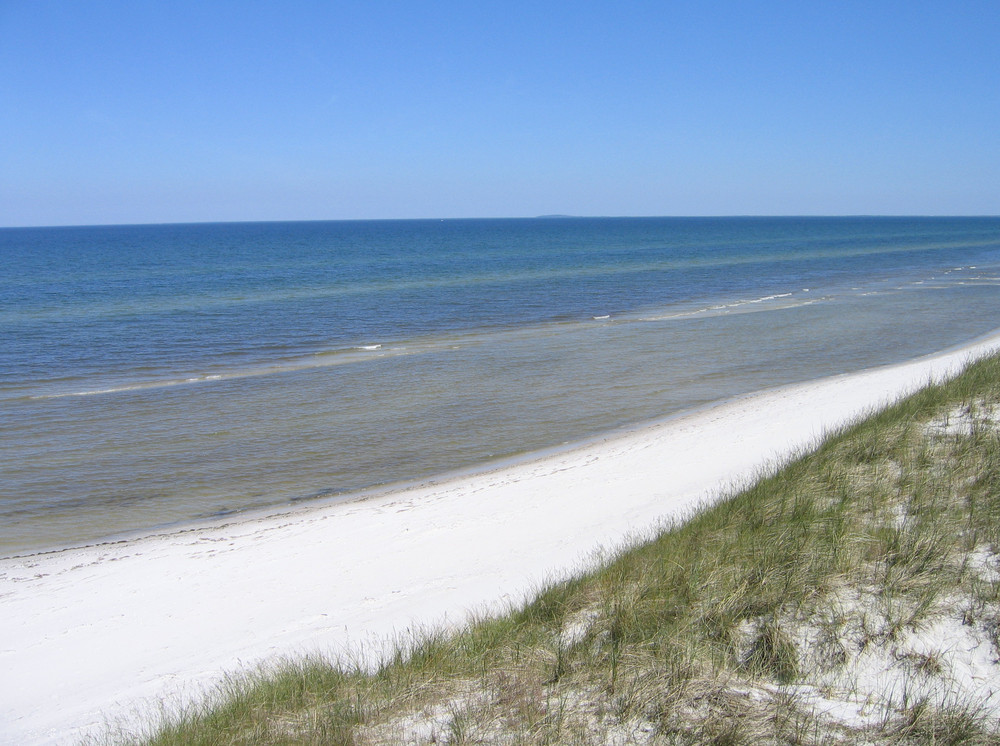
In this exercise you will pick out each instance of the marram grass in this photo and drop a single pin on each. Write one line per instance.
(762, 619)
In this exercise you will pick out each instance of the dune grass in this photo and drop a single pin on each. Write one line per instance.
(843, 598)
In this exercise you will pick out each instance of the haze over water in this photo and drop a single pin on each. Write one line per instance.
(150, 375)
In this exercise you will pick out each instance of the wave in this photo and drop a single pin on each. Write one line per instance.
(131, 387)
(420, 345)
(325, 358)
(427, 344)
(743, 305)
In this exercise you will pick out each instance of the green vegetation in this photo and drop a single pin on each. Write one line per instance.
(845, 598)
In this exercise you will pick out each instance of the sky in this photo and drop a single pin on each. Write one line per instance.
(157, 112)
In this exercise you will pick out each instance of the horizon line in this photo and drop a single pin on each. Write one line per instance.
(551, 216)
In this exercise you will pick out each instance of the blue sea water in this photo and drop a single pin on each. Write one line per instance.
(151, 375)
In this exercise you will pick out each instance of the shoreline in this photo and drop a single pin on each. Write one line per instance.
(325, 501)
(96, 633)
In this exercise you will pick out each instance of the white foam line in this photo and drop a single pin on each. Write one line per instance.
(88, 634)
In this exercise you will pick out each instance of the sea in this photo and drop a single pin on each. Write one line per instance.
(152, 376)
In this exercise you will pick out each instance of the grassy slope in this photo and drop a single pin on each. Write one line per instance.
(853, 596)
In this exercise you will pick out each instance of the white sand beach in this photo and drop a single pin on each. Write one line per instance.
(94, 634)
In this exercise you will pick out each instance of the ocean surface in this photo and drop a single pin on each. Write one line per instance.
(154, 375)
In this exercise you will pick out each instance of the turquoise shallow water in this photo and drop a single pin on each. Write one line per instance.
(150, 375)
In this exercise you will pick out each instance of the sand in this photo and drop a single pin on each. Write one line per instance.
(92, 635)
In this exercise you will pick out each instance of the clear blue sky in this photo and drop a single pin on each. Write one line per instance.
(134, 112)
